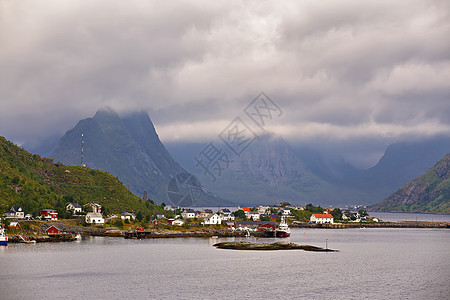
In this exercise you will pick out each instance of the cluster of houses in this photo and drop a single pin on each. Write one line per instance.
(256, 219)
(49, 214)
(17, 212)
(253, 216)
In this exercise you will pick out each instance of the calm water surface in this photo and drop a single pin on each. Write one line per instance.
(372, 263)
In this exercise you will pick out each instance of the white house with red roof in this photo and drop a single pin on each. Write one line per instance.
(322, 219)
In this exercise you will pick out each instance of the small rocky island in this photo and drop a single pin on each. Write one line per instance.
(243, 245)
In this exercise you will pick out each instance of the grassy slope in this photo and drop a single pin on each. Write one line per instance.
(37, 183)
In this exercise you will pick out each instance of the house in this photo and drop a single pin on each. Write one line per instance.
(188, 214)
(322, 219)
(112, 216)
(285, 212)
(94, 218)
(96, 208)
(246, 212)
(205, 214)
(274, 217)
(226, 214)
(49, 214)
(29, 217)
(53, 230)
(253, 215)
(170, 207)
(263, 210)
(214, 219)
(16, 212)
(127, 216)
(160, 216)
(74, 207)
(178, 222)
(14, 225)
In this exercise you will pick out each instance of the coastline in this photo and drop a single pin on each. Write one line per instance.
(70, 230)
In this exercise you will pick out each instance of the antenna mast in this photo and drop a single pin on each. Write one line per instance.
(82, 151)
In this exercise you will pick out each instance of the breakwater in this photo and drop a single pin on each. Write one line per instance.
(402, 224)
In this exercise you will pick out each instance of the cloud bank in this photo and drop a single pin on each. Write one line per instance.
(340, 70)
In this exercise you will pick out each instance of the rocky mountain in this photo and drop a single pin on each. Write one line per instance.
(429, 192)
(270, 170)
(129, 148)
(267, 172)
(37, 183)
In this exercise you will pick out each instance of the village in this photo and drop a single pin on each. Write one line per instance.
(89, 219)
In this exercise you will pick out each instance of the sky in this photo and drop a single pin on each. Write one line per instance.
(347, 74)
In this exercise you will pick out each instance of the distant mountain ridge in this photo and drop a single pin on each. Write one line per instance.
(127, 147)
(270, 170)
(429, 192)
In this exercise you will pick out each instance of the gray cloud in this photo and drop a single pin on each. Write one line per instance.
(341, 70)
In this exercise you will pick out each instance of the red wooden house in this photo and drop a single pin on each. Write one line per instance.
(53, 230)
(49, 214)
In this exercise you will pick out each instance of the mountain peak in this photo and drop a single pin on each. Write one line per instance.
(125, 146)
(105, 111)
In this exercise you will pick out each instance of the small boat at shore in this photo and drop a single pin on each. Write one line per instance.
(283, 229)
(26, 240)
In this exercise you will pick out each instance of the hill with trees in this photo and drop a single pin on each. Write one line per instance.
(37, 183)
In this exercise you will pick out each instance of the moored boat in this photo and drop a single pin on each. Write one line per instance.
(283, 229)
(3, 236)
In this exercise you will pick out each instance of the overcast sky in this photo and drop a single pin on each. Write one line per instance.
(341, 71)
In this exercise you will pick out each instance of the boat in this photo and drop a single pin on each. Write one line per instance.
(26, 240)
(78, 237)
(283, 229)
(3, 236)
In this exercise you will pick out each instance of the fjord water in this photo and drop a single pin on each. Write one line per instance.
(372, 263)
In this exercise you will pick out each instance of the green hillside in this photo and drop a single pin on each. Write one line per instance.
(37, 183)
(429, 193)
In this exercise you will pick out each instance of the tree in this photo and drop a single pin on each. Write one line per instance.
(363, 213)
(139, 216)
(265, 218)
(118, 223)
(239, 214)
(315, 210)
(5, 222)
(337, 214)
